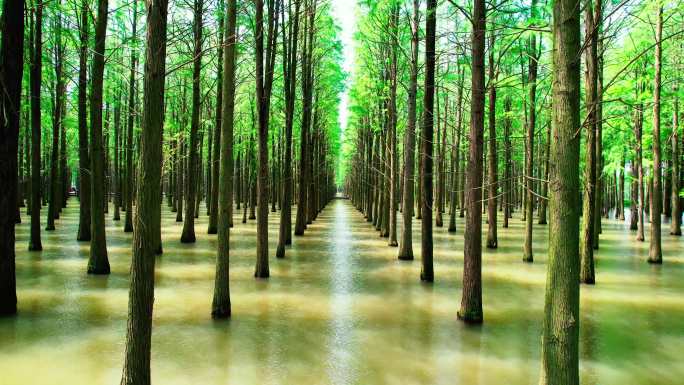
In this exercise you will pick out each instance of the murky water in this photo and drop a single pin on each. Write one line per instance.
(339, 310)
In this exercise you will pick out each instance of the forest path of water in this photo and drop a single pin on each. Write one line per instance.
(340, 309)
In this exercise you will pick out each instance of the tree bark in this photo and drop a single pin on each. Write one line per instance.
(265, 61)
(533, 52)
(98, 262)
(136, 370)
(128, 220)
(655, 254)
(492, 239)
(220, 307)
(406, 237)
(471, 301)
(676, 223)
(188, 234)
(11, 74)
(560, 340)
(290, 75)
(35, 243)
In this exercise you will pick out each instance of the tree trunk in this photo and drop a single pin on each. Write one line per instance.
(492, 239)
(188, 234)
(508, 196)
(290, 76)
(533, 52)
(307, 96)
(148, 208)
(55, 177)
(35, 243)
(128, 220)
(676, 223)
(98, 262)
(406, 237)
(471, 301)
(427, 273)
(456, 154)
(591, 84)
(560, 340)
(220, 307)
(655, 254)
(265, 61)
(12, 64)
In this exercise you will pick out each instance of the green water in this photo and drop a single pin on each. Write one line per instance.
(340, 309)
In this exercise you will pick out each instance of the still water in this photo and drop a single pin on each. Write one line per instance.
(340, 309)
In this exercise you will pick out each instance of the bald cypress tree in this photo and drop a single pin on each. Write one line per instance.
(98, 262)
(11, 73)
(36, 50)
(188, 235)
(220, 307)
(427, 270)
(560, 340)
(471, 301)
(136, 370)
(83, 140)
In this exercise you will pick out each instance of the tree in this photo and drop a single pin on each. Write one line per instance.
(471, 301)
(427, 271)
(290, 76)
(57, 113)
(98, 263)
(406, 239)
(655, 254)
(560, 340)
(220, 307)
(36, 50)
(11, 73)
(676, 224)
(188, 235)
(132, 97)
(214, 156)
(147, 229)
(592, 20)
(492, 239)
(265, 61)
(533, 53)
(83, 142)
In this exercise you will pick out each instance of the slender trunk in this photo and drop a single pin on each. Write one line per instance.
(492, 239)
(676, 224)
(188, 234)
(220, 307)
(55, 178)
(307, 95)
(456, 153)
(528, 255)
(128, 220)
(508, 164)
(655, 254)
(12, 64)
(265, 61)
(406, 238)
(589, 201)
(427, 272)
(136, 368)
(98, 262)
(560, 340)
(471, 301)
(35, 82)
(543, 202)
(290, 73)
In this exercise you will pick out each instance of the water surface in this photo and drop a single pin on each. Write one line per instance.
(340, 309)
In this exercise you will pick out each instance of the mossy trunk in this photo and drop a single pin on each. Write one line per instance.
(560, 340)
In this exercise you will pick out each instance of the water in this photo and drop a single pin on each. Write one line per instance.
(340, 309)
